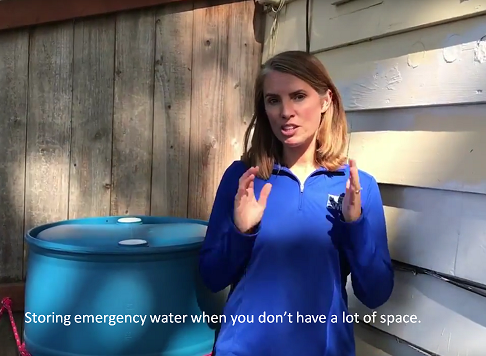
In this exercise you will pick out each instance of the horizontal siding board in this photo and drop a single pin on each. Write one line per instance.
(440, 65)
(374, 342)
(378, 18)
(429, 147)
(444, 231)
(451, 319)
(370, 18)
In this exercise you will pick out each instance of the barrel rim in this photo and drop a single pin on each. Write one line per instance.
(31, 239)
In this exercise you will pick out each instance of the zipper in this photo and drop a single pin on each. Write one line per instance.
(301, 195)
(301, 184)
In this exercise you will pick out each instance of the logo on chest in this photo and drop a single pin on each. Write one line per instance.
(335, 202)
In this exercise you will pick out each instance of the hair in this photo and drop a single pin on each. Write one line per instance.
(266, 149)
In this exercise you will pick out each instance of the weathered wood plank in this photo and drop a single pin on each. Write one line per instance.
(90, 178)
(19, 13)
(13, 117)
(14, 291)
(225, 58)
(440, 65)
(439, 230)
(172, 110)
(49, 125)
(246, 38)
(430, 147)
(209, 141)
(133, 113)
(451, 319)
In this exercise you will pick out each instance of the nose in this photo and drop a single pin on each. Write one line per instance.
(287, 110)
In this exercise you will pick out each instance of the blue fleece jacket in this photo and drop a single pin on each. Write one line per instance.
(296, 264)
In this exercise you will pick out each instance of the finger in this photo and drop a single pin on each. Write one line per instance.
(250, 189)
(349, 192)
(242, 189)
(354, 175)
(245, 180)
(249, 171)
(267, 188)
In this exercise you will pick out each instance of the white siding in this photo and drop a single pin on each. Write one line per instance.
(412, 75)
(437, 65)
(360, 20)
(450, 321)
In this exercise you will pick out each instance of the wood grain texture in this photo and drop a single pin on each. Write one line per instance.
(225, 54)
(172, 110)
(14, 291)
(429, 147)
(133, 113)
(49, 125)
(92, 117)
(444, 231)
(451, 321)
(440, 65)
(13, 117)
(19, 13)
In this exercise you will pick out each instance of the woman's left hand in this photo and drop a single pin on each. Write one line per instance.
(352, 199)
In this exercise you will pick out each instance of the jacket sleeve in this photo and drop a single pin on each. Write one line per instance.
(225, 251)
(366, 248)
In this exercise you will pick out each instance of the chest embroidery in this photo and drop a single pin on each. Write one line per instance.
(335, 202)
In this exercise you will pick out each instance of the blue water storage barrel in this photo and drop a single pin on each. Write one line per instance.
(118, 286)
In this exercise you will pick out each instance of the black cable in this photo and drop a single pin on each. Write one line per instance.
(473, 287)
(470, 286)
(400, 340)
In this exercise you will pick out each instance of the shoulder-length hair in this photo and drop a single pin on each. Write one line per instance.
(265, 149)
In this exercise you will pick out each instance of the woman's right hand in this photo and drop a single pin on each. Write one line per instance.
(248, 211)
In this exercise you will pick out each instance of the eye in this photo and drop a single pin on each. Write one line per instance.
(272, 101)
(299, 97)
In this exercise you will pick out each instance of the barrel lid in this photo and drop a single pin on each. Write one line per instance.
(119, 235)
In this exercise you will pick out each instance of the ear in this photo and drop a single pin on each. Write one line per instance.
(326, 101)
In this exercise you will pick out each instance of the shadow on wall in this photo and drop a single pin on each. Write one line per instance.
(13, 103)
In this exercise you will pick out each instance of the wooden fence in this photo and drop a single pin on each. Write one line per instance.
(136, 112)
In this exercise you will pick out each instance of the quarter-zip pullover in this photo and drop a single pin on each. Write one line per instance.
(295, 264)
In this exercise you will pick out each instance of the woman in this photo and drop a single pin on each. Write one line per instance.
(292, 220)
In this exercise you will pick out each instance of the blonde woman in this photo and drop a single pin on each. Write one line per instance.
(291, 220)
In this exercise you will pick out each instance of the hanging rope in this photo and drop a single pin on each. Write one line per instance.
(272, 38)
(6, 305)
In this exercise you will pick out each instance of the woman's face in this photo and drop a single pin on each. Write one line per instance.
(293, 107)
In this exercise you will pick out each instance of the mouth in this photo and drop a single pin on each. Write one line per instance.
(289, 129)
